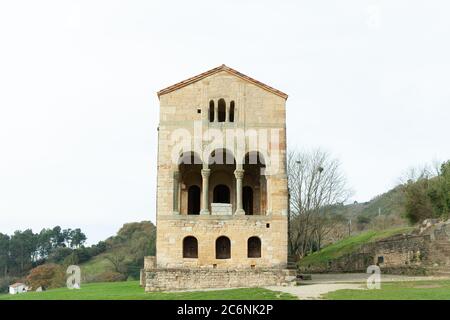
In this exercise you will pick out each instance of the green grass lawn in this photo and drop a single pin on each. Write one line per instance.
(405, 290)
(130, 290)
(349, 245)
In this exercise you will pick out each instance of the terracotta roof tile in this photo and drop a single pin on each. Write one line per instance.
(216, 70)
(15, 285)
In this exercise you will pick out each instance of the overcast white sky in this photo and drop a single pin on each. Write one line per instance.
(368, 81)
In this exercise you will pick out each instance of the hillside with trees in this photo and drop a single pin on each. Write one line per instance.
(124, 254)
(26, 256)
(424, 194)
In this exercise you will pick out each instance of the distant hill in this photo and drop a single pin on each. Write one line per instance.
(389, 204)
(124, 254)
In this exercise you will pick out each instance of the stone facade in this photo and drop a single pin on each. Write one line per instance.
(222, 184)
(183, 279)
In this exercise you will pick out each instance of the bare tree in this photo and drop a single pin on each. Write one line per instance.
(316, 183)
(118, 260)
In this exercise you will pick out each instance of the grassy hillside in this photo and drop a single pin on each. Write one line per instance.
(348, 245)
(130, 290)
(124, 254)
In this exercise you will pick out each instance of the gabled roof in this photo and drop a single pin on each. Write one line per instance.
(17, 284)
(216, 70)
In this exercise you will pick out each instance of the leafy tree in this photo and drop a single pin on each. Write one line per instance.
(67, 236)
(77, 238)
(47, 276)
(428, 197)
(418, 205)
(57, 238)
(23, 251)
(45, 244)
(59, 254)
(4, 254)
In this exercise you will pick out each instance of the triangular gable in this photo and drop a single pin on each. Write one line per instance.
(216, 70)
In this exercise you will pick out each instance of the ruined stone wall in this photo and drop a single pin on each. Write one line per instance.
(180, 279)
(404, 254)
(401, 251)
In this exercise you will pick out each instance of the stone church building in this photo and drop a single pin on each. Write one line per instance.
(222, 198)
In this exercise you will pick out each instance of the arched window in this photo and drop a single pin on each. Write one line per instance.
(221, 110)
(232, 111)
(223, 248)
(254, 247)
(194, 200)
(221, 194)
(247, 200)
(211, 111)
(190, 247)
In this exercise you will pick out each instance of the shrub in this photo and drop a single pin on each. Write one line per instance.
(47, 276)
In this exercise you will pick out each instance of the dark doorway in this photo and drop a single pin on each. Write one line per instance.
(194, 200)
(247, 200)
(190, 247)
(254, 247)
(223, 248)
(221, 194)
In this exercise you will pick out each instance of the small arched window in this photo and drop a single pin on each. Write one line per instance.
(223, 248)
(254, 247)
(211, 111)
(221, 110)
(190, 247)
(232, 111)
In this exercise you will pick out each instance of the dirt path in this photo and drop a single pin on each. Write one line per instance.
(323, 283)
(315, 291)
(362, 278)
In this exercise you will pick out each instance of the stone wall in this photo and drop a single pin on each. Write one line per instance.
(271, 230)
(401, 251)
(402, 254)
(182, 279)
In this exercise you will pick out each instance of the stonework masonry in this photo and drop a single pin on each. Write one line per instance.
(226, 222)
(424, 251)
(182, 279)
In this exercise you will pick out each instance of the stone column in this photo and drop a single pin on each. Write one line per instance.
(239, 174)
(216, 111)
(176, 192)
(227, 112)
(205, 191)
(263, 195)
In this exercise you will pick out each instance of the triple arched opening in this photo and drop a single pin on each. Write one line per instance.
(222, 182)
(222, 247)
(223, 112)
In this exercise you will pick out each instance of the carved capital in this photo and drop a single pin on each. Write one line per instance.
(239, 173)
(206, 173)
